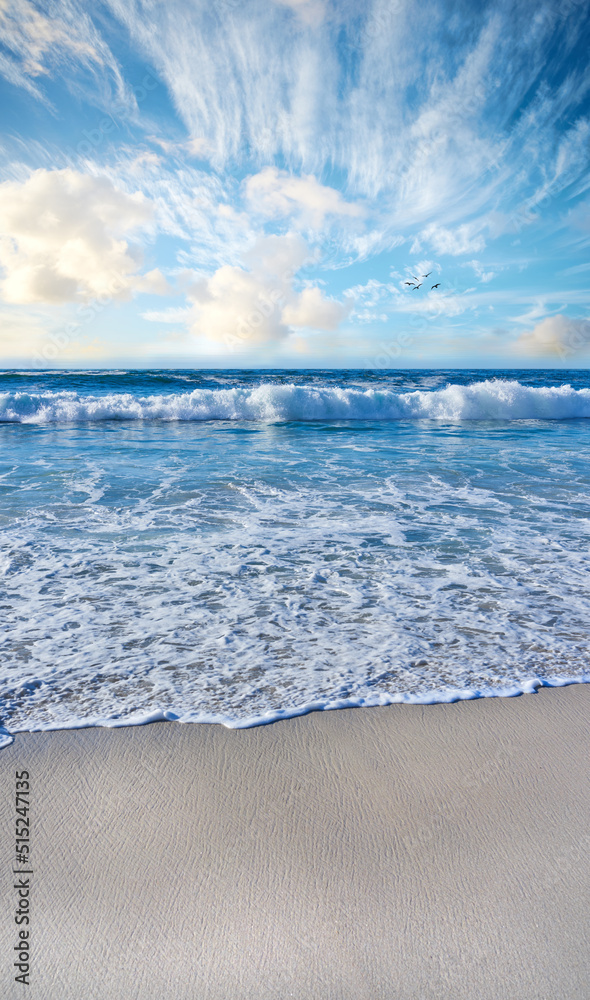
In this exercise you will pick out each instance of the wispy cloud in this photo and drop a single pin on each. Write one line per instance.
(429, 113)
(483, 275)
(433, 117)
(42, 39)
(464, 239)
(277, 194)
(451, 130)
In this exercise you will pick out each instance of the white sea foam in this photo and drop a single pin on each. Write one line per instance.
(242, 574)
(530, 686)
(212, 601)
(487, 400)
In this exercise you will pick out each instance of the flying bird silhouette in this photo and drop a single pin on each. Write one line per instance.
(427, 275)
(416, 287)
(436, 286)
(408, 282)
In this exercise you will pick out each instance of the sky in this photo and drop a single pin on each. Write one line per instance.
(252, 183)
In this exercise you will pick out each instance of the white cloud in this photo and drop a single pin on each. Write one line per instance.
(279, 255)
(152, 283)
(253, 85)
(37, 45)
(464, 239)
(240, 307)
(196, 148)
(63, 239)
(419, 114)
(277, 194)
(481, 273)
(30, 36)
(385, 119)
(173, 315)
(371, 294)
(193, 205)
(392, 299)
(559, 336)
(312, 310)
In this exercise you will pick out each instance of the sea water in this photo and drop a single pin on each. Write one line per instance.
(241, 546)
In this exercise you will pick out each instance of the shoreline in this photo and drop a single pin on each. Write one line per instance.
(452, 697)
(406, 851)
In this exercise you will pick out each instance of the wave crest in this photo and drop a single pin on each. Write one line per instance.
(269, 403)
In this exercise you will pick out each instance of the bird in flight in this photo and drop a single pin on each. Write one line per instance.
(436, 286)
(427, 275)
(416, 287)
(408, 282)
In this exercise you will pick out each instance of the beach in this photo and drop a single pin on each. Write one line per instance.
(407, 851)
(294, 500)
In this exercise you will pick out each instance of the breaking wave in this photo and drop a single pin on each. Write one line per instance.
(491, 399)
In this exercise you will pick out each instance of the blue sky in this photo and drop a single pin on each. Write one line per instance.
(252, 182)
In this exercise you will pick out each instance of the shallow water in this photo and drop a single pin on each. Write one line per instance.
(258, 543)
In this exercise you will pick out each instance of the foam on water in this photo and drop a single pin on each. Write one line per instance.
(485, 400)
(251, 569)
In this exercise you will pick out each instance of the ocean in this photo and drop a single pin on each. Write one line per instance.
(242, 546)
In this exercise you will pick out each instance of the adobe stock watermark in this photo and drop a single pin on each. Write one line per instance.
(572, 860)
(248, 326)
(381, 19)
(528, 211)
(92, 138)
(467, 788)
(566, 7)
(575, 339)
(226, 6)
(391, 350)
(59, 340)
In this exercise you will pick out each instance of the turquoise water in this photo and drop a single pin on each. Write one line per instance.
(241, 546)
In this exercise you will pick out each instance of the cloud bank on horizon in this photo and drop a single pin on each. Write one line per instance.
(254, 182)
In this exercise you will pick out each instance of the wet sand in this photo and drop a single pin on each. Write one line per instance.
(402, 852)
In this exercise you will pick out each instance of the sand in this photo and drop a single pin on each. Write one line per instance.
(401, 852)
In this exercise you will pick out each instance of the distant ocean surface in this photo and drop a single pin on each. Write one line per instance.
(241, 546)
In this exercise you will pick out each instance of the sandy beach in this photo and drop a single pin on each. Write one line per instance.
(402, 852)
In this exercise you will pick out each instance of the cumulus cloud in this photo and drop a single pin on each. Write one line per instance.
(278, 255)
(276, 193)
(240, 307)
(311, 309)
(559, 336)
(63, 239)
